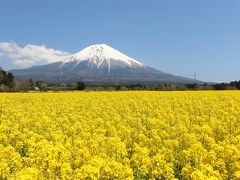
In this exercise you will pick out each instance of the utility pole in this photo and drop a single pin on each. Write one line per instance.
(195, 78)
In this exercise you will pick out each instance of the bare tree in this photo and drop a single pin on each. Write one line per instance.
(23, 86)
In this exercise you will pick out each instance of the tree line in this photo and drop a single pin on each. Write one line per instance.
(8, 83)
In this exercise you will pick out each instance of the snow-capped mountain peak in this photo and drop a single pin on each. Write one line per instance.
(100, 53)
(98, 64)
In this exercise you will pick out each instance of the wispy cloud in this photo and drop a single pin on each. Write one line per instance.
(30, 54)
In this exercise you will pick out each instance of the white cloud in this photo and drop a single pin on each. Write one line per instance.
(30, 54)
(23, 63)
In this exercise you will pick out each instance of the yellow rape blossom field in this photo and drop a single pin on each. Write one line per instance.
(120, 135)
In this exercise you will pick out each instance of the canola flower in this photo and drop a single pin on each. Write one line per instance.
(120, 135)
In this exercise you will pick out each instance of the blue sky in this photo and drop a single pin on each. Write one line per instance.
(179, 37)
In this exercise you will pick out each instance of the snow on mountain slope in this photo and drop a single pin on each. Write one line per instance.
(101, 55)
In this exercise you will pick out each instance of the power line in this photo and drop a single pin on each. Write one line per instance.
(210, 75)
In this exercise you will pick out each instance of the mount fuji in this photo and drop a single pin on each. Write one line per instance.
(95, 64)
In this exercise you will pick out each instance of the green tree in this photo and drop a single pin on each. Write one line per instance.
(80, 85)
(31, 83)
(9, 80)
(1, 75)
(39, 85)
(6, 78)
